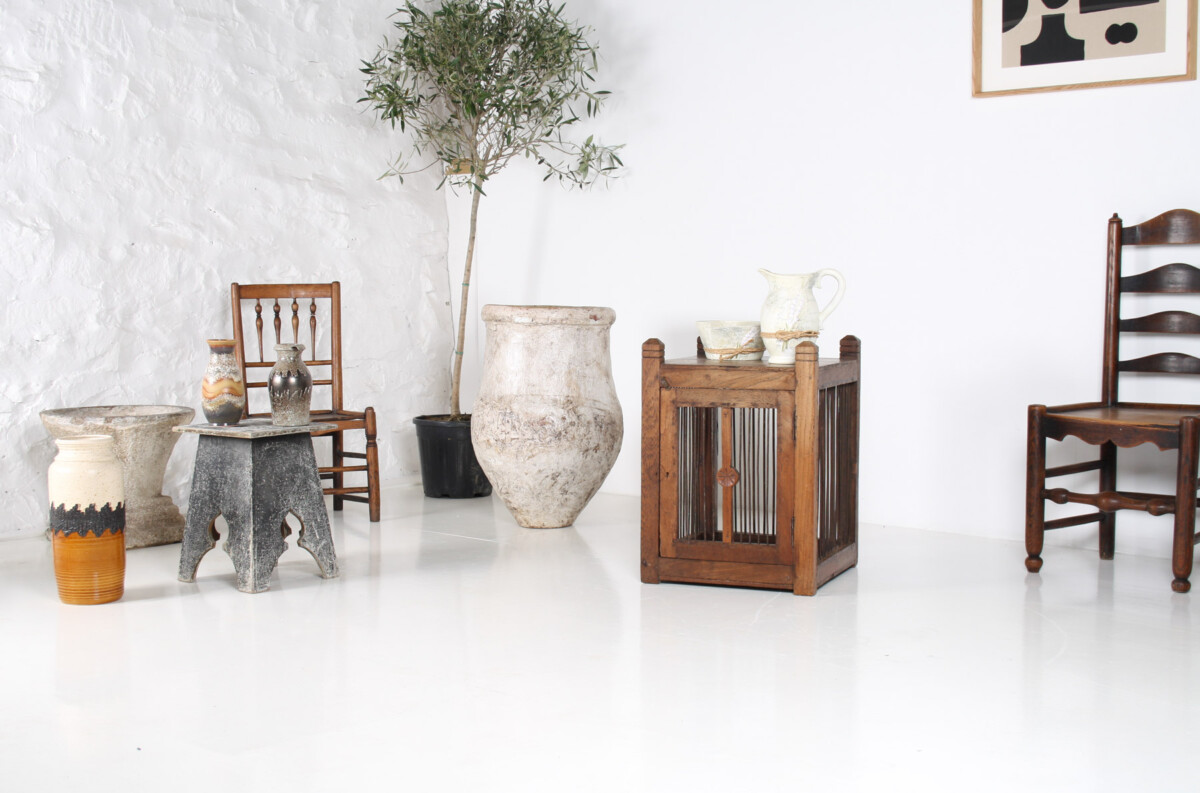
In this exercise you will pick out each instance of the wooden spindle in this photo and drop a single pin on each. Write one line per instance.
(295, 321)
(258, 325)
(278, 322)
(312, 327)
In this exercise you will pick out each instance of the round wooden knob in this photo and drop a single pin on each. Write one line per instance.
(728, 477)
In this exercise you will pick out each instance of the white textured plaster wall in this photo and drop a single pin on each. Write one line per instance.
(152, 153)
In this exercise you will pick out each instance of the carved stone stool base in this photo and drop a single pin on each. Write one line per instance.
(255, 479)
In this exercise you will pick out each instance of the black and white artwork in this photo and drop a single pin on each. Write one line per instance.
(1031, 45)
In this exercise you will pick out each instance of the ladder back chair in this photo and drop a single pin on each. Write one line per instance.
(274, 307)
(1112, 423)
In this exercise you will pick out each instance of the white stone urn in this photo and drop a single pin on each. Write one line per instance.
(143, 440)
(546, 425)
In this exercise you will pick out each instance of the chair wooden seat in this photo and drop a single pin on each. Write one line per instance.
(1125, 424)
(1111, 424)
(319, 303)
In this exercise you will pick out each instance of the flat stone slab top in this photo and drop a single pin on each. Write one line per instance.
(252, 429)
(116, 415)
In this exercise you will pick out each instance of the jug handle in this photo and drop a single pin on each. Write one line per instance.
(837, 297)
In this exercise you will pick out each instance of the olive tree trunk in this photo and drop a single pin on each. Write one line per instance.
(456, 376)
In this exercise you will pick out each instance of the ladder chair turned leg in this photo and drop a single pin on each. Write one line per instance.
(1183, 547)
(372, 466)
(1035, 486)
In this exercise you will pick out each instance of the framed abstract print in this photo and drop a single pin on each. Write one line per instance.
(1054, 45)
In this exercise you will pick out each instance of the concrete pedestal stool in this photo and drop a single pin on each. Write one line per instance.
(255, 474)
(144, 442)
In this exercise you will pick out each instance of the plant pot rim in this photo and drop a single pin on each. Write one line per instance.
(441, 418)
(549, 315)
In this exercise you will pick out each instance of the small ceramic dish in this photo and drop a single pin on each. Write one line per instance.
(730, 340)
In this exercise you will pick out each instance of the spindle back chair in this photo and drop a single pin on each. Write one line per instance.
(275, 309)
(1111, 423)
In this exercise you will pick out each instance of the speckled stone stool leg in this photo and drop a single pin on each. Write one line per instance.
(255, 484)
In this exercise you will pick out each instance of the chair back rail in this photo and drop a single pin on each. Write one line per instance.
(1163, 322)
(1178, 278)
(1162, 363)
(315, 305)
(1176, 227)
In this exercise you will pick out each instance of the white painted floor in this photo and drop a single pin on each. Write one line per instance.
(460, 652)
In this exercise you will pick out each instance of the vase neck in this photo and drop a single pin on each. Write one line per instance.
(289, 351)
(87, 448)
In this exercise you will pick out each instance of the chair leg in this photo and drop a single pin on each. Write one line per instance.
(1185, 504)
(372, 466)
(1035, 485)
(1108, 484)
(338, 461)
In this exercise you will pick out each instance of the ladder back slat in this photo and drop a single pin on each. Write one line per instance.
(1163, 363)
(1176, 227)
(1177, 278)
(1162, 322)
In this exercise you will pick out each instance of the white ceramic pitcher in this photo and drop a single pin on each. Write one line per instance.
(790, 313)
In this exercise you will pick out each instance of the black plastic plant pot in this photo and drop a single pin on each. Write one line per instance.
(448, 465)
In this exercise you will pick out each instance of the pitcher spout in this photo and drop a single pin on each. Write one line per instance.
(784, 278)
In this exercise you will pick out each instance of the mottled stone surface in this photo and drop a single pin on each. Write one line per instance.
(252, 429)
(256, 483)
(153, 153)
(547, 426)
(143, 443)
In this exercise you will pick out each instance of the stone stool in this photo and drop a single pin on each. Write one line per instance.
(255, 473)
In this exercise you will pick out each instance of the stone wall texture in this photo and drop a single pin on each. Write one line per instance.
(152, 153)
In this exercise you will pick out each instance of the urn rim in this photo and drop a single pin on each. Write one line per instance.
(549, 315)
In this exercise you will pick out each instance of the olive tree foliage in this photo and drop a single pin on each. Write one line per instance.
(476, 83)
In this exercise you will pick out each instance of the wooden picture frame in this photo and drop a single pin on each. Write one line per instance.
(1057, 45)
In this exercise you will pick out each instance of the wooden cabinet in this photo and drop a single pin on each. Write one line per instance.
(750, 471)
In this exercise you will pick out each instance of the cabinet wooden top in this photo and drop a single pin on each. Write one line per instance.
(711, 362)
(702, 372)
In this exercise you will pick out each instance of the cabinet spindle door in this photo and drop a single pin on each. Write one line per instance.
(728, 475)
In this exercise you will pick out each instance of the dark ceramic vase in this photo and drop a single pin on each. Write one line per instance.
(290, 387)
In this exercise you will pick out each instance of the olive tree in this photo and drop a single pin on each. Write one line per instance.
(476, 83)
